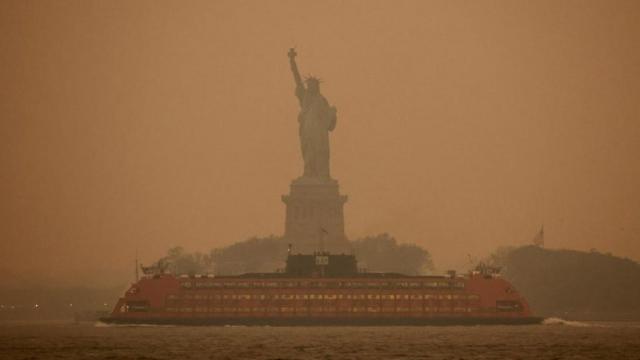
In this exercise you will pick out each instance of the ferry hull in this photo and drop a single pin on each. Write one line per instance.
(442, 321)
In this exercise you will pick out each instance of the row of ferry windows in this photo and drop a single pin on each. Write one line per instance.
(325, 297)
(289, 309)
(319, 284)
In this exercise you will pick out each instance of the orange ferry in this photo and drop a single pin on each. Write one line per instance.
(323, 289)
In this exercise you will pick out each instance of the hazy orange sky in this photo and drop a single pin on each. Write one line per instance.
(462, 125)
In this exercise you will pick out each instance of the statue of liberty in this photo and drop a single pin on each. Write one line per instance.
(316, 119)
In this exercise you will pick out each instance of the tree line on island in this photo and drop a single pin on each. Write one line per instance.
(570, 284)
(380, 253)
(577, 285)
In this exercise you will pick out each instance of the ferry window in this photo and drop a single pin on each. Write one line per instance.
(414, 284)
(186, 284)
(431, 284)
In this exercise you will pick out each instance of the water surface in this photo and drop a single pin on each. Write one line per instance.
(556, 339)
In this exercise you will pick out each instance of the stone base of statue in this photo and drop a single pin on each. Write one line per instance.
(314, 216)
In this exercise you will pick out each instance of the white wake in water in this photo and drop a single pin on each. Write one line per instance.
(559, 321)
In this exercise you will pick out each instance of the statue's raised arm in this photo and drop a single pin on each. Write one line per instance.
(294, 69)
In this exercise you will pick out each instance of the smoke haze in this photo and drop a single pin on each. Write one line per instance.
(462, 126)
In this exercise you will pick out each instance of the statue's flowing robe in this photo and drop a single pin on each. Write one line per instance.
(316, 119)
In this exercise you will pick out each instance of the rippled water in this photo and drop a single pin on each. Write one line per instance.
(556, 339)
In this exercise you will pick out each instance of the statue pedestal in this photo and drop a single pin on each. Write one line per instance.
(314, 216)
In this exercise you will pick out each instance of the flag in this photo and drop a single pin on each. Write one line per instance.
(538, 240)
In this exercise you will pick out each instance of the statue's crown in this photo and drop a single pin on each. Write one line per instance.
(312, 80)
